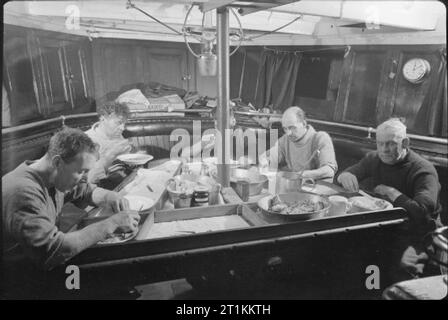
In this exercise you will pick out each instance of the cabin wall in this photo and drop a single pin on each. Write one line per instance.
(364, 88)
(45, 74)
(122, 62)
(57, 73)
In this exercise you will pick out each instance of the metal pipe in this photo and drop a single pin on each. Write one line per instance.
(223, 121)
(175, 111)
(47, 121)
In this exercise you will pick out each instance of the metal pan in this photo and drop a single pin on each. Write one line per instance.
(264, 204)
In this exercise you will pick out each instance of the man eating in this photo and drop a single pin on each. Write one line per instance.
(33, 196)
(407, 180)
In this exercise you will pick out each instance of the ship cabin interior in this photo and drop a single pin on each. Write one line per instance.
(186, 67)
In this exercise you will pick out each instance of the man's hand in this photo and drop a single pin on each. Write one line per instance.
(307, 174)
(349, 181)
(115, 201)
(413, 262)
(124, 221)
(387, 191)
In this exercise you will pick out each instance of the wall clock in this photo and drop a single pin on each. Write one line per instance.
(415, 70)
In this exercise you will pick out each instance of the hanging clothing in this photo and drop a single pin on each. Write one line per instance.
(277, 77)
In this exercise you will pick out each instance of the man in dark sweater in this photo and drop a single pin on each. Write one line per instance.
(32, 198)
(405, 179)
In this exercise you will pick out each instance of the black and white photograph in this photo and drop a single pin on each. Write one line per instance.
(216, 151)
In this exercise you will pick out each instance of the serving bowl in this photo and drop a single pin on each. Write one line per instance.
(291, 197)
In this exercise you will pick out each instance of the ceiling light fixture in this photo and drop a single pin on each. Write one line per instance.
(206, 35)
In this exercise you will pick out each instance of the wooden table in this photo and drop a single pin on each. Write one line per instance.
(340, 246)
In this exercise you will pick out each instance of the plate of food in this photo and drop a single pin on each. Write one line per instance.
(361, 204)
(295, 205)
(119, 238)
(135, 159)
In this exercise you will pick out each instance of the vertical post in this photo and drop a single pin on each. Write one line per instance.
(223, 121)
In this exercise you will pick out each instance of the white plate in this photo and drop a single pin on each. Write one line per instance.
(119, 238)
(135, 158)
(139, 203)
(366, 204)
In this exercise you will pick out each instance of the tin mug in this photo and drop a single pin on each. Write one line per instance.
(292, 182)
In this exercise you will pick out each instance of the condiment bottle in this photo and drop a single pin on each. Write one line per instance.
(200, 196)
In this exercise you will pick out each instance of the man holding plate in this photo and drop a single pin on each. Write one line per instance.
(107, 133)
(407, 180)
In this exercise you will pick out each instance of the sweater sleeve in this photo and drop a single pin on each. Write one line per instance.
(424, 204)
(327, 155)
(31, 226)
(362, 169)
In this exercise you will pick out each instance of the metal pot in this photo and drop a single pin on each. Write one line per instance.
(291, 182)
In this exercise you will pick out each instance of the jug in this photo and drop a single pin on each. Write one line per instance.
(291, 182)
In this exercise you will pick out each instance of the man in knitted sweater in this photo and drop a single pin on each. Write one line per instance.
(298, 145)
(407, 180)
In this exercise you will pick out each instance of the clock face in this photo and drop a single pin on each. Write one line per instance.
(415, 69)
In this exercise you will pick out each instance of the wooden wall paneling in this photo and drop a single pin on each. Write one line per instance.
(387, 80)
(389, 85)
(87, 70)
(408, 97)
(67, 75)
(344, 88)
(75, 74)
(120, 67)
(316, 108)
(39, 84)
(140, 64)
(55, 70)
(23, 85)
(361, 107)
(98, 65)
(167, 66)
(334, 78)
